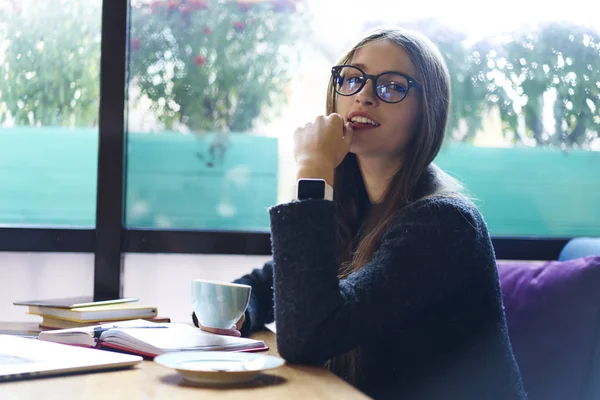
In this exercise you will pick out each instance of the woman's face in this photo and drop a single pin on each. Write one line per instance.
(396, 123)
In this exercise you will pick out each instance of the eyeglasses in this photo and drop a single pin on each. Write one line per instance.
(390, 87)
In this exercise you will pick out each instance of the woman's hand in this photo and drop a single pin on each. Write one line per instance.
(234, 331)
(321, 146)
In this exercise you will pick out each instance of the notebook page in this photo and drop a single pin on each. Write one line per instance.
(177, 337)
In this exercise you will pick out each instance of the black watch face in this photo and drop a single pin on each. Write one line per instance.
(308, 189)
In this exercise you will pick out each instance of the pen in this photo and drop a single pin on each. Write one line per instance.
(100, 330)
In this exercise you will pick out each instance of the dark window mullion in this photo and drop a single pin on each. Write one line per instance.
(258, 243)
(55, 240)
(196, 242)
(111, 151)
(528, 248)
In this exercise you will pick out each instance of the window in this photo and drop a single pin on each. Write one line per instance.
(203, 74)
(215, 90)
(49, 98)
(523, 134)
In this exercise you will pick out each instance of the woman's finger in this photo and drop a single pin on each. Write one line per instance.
(348, 131)
(221, 331)
(240, 323)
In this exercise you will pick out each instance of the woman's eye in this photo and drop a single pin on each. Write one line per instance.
(354, 80)
(397, 87)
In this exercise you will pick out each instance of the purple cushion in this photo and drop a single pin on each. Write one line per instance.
(552, 311)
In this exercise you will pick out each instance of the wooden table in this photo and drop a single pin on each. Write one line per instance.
(149, 380)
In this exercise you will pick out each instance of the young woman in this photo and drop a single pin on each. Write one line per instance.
(392, 285)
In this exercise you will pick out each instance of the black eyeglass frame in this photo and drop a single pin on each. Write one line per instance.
(412, 82)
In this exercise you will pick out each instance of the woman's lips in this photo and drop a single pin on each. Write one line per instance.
(361, 120)
(359, 126)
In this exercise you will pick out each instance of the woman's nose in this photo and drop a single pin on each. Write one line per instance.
(367, 93)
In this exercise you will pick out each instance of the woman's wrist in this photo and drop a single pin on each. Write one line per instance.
(316, 172)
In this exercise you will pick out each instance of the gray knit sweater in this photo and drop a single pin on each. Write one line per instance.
(426, 311)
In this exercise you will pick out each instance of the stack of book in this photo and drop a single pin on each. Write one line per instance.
(83, 311)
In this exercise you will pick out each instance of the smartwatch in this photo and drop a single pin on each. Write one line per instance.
(313, 189)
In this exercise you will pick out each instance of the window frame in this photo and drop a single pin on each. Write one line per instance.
(110, 239)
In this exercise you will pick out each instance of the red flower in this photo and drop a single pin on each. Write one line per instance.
(172, 5)
(239, 26)
(244, 6)
(185, 10)
(198, 4)
(135, 44)
(207, 30)
(200, 60)
(155, 6)
(284, 5)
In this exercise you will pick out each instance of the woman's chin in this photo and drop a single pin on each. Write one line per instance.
(358, 148)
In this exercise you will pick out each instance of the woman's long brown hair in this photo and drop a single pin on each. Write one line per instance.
(358, 235)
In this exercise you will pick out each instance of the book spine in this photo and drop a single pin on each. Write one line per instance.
(123, 349)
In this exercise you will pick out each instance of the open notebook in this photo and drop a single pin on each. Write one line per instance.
(150, 339)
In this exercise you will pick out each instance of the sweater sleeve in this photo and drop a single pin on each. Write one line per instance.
(319, 317)
(260, 307)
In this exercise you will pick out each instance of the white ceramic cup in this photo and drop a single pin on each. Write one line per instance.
(219, 304)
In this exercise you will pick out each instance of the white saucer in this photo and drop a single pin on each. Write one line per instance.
(218, 367)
